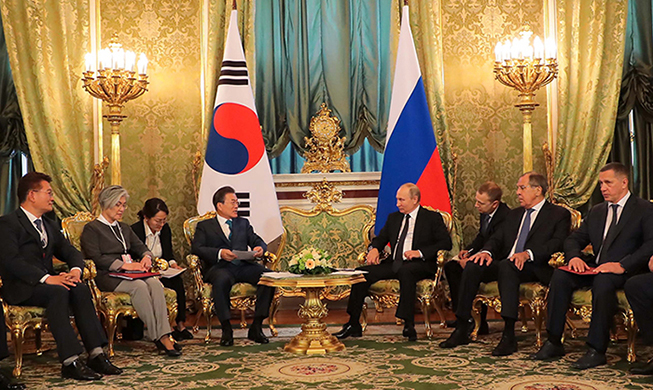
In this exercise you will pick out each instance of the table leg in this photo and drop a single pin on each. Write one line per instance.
(314, 338)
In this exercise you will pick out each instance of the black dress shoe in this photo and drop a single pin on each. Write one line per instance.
(6, 384)
(349, 330)
(452, 323)
(410, 333)
(227, 339)
(507, 346)
(592, 358)
(256, 334)
(549, 351)
(169, 352)
(78, 370)
(460, 336)
(644, 370)
(102, 365)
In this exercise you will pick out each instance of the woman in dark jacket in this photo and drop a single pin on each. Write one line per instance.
(114, 247)
(153, 230)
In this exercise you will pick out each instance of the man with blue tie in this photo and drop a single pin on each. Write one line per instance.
(214, 242)
(519, 251)
(29, 242)
(620, 231)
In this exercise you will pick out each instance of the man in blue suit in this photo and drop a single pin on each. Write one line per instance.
(214, 242)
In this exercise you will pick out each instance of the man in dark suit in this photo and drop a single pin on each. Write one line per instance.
(493, 212)
(621, 233)
(28, 244)
(639, 291)
(415, 235)
(529, 236)
(213, 243)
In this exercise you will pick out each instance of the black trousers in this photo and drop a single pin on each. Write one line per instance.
(58, 303)
(639, 291)
(510, 277)
(604, 304)
(408, 275)
(177, 284)
(472, 277)
(226, 275)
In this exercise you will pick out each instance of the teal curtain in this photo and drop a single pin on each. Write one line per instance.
(637, 97)
(366, 159)
(307, 55)
(13, 141)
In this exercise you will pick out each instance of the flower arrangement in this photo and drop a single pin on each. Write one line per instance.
(310, 261)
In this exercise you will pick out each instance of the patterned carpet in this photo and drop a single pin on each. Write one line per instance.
(380, 360)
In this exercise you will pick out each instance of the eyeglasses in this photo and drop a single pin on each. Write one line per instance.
(233, 202)
(120, 205)
(48, 192)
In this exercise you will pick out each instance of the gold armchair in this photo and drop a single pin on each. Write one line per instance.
(242, 295)
(385, 293)
(532, 295)
(344, 234)
(111, 305)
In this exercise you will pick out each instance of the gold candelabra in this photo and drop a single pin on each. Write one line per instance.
(119, 79)
(526, 67)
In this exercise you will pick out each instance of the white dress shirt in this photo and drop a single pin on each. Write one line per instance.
(44, 237)
(608, 220)
(534, 214)
(408, 242)
(153, 242)
(225, 229)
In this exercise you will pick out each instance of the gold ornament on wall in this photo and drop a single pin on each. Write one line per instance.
(325, 149)
(526, 67)
(116, 83)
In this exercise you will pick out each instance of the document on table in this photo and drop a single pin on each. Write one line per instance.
(171, 272)
(345, 271)
(281, 275)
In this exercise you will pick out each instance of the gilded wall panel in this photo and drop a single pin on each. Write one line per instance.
(485, 127)
(161, 132)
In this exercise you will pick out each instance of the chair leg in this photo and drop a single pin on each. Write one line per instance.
(112, 323)
(172, 315)
(18, 337)
(38, 341)
(272, 320)
(364, 317)
(243, 321)
(200, 312)
(426, 306)
(208, 314)
(524, 318)
(476, 315)
(439, 307)
(538, 318)
(631, 329)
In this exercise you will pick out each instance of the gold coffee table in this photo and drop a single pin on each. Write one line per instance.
(314, 338)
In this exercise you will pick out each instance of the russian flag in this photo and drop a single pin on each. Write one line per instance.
(235, 151)
(411, 152)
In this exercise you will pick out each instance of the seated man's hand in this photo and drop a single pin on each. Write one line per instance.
(463, 254)
(228, 255)
(578, 265)
(60, 280)
(613, 267)
(373, 257)
(519, 259)
(258, 251)
(133, 267)
(481, 258)
(410, 255)
(74, 276)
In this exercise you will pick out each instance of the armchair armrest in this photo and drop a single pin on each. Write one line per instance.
(557, 260)
(88, 275)
(159, 264)
(270, 260)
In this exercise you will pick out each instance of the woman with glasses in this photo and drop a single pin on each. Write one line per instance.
(114, 247)
(153, 230)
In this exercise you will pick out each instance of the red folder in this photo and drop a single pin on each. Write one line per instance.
(591, 271)
(133, 275)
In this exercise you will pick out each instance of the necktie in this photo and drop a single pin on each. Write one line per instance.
(39, 226)
(399, 251)
(523, 233)
(613, 223)
(486, 224)
(230, 223)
